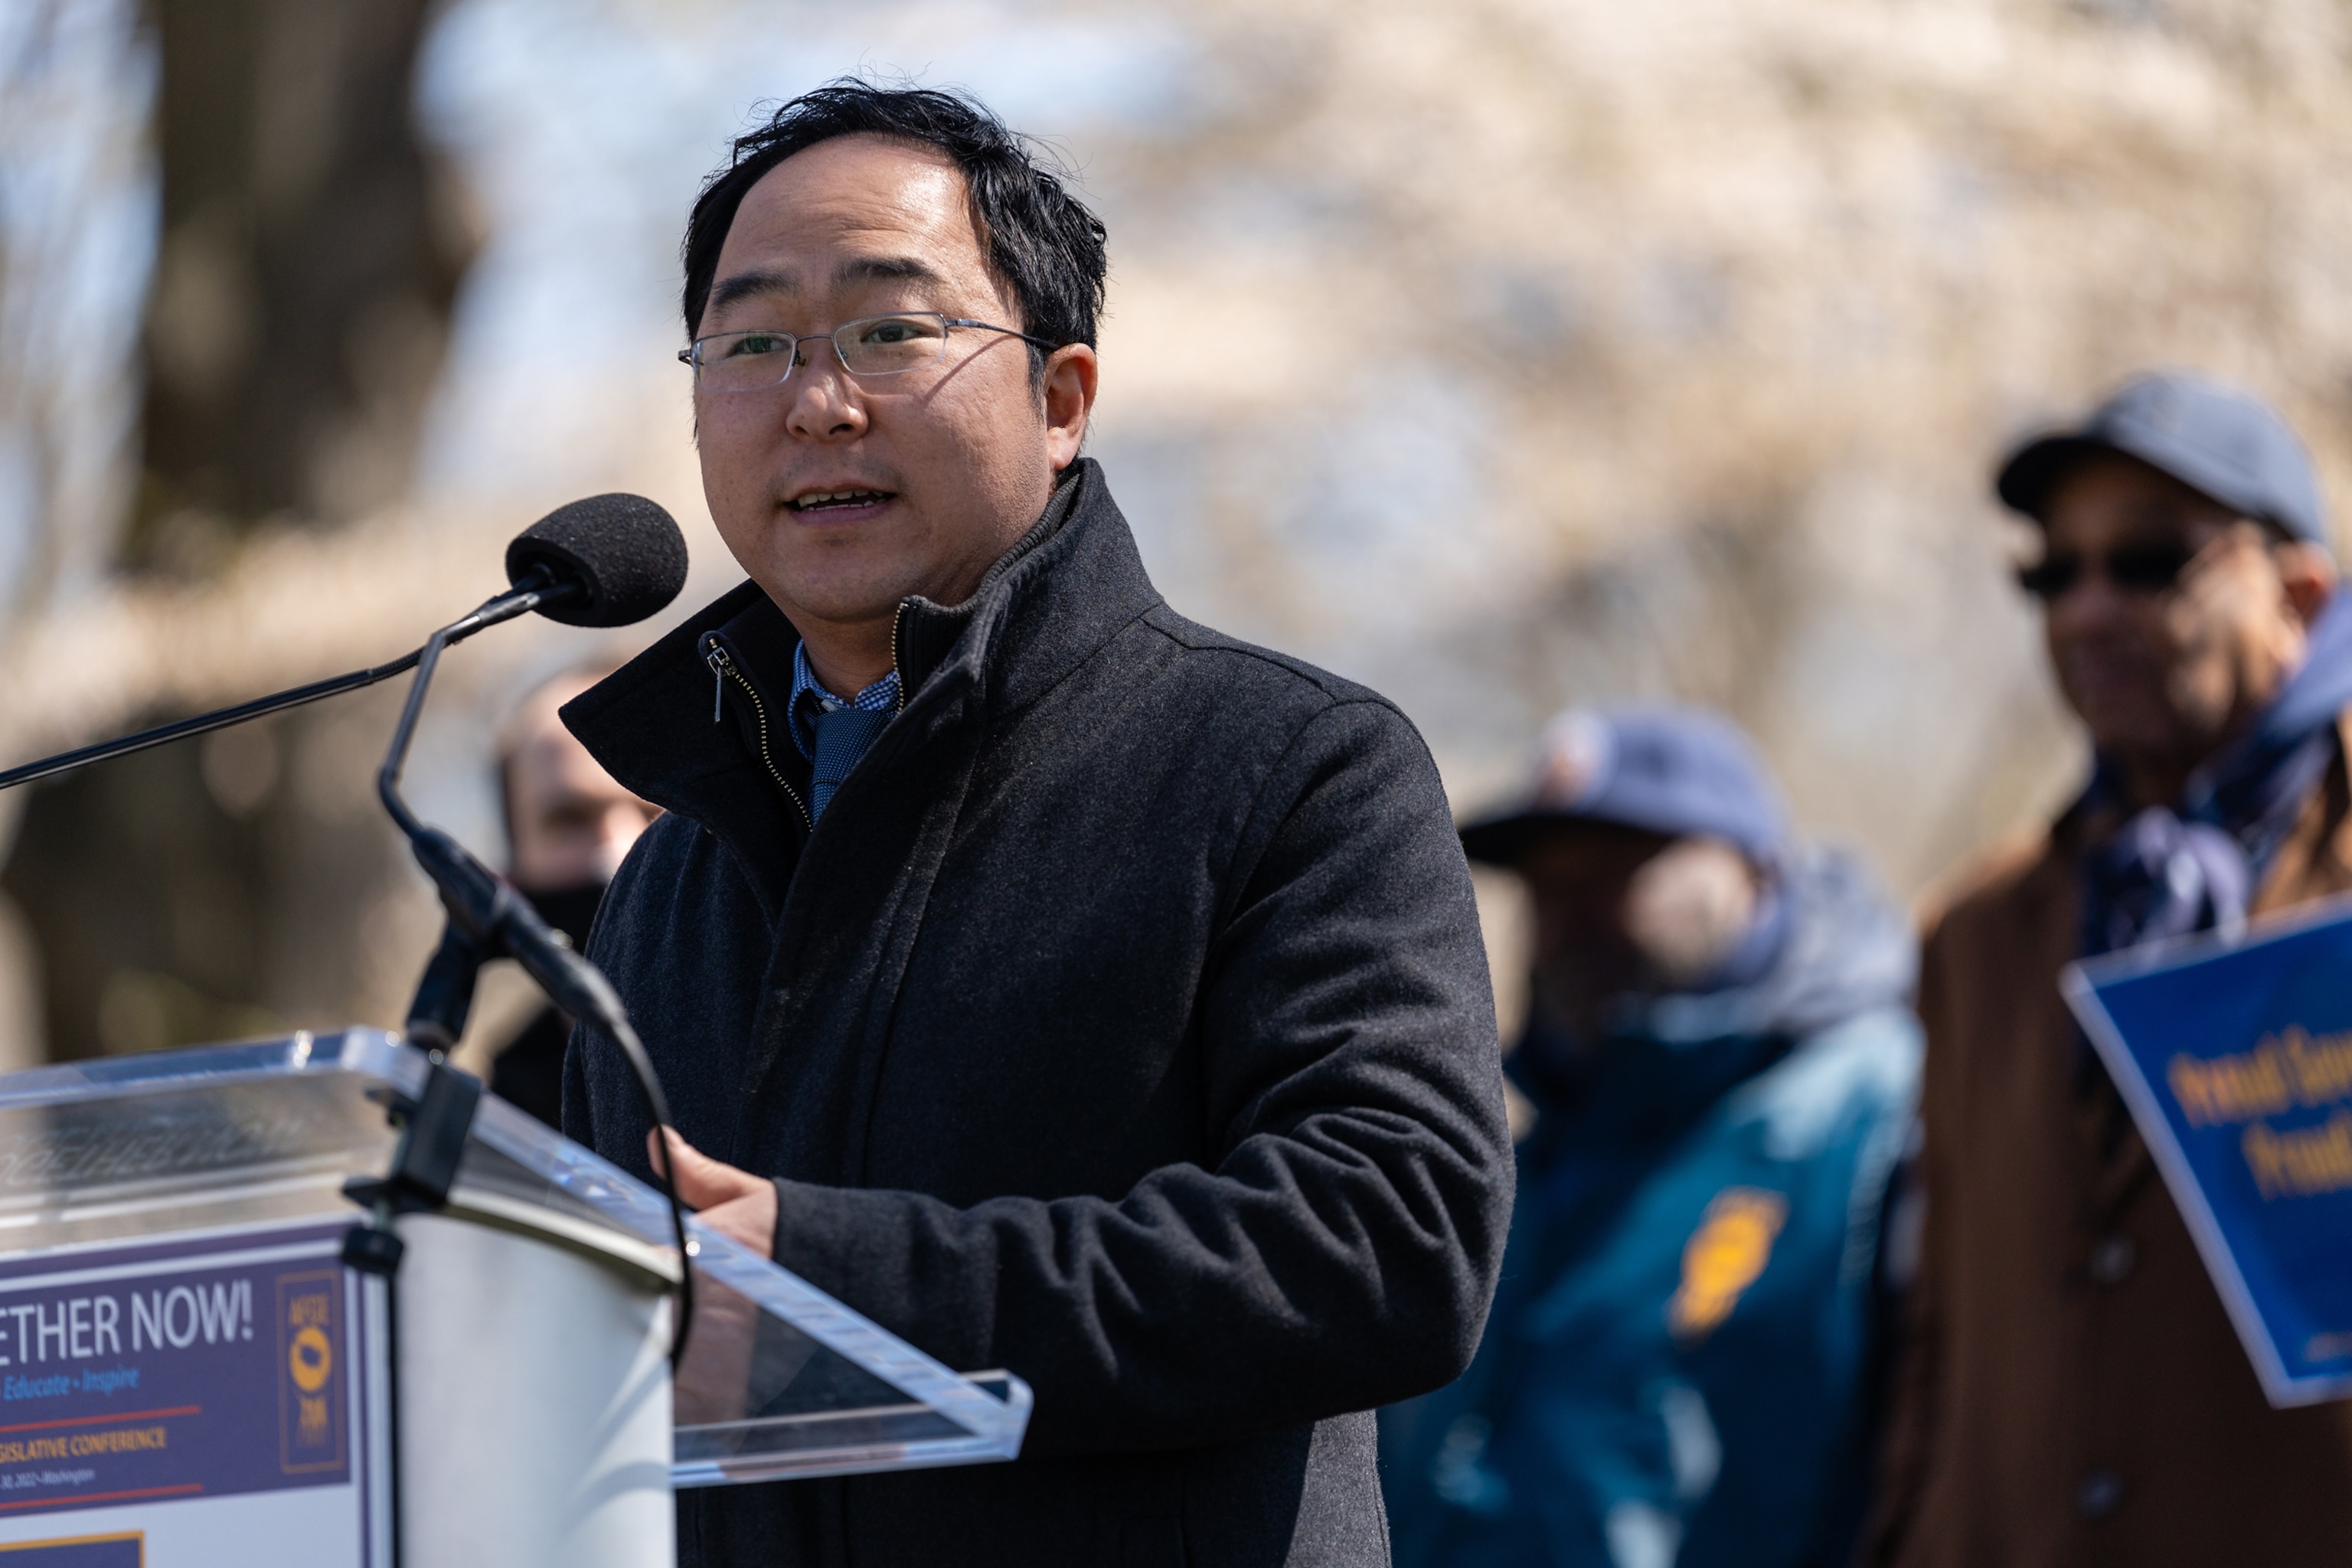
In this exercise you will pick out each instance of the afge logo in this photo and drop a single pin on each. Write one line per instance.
(1724, 1256)
(310, 1384)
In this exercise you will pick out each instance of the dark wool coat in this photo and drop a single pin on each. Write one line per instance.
(1124, 1023)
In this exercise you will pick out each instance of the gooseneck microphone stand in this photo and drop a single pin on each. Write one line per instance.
(489, 918)
(606, 561)
(490, 615)
(220, 719)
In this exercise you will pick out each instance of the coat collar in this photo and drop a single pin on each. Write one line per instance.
(1070, 584)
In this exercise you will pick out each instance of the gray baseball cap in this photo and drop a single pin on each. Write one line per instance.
(2211, 436)
(1661, 767)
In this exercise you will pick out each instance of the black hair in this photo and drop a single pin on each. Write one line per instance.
(1041, 240)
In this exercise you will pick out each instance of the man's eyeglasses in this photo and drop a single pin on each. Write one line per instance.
(2135, 569)
(874, 345)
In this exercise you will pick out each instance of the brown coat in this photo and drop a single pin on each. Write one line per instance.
(2072, 1392)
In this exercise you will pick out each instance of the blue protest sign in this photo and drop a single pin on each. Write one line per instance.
(2235, 1056)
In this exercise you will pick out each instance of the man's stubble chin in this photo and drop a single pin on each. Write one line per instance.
(842, 593)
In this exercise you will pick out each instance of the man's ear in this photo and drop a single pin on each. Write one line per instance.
(1069, 394)
(2307, 575)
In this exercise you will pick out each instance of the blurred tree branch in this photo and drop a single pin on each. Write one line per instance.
(75, 87)
(311, 253)
(308, 261)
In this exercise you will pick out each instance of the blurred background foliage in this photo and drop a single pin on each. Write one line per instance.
(1500, 354)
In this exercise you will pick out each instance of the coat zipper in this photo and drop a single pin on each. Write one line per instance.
(897, 619)
(722, 670)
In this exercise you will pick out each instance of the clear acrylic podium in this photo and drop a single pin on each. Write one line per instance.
(188, 1374)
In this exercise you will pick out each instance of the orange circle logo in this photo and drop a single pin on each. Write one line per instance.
(310, 1360)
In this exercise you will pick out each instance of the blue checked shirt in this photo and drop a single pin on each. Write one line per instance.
(809, 699)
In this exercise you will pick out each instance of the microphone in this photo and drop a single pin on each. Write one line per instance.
(607, 560)
(621, 555)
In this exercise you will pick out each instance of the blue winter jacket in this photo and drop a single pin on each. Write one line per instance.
(1677, 1371)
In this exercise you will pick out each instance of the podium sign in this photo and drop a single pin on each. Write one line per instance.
(221, 1367)
(2235, 1057)
(189, 1375)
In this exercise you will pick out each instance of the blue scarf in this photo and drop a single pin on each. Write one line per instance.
(2172, 870)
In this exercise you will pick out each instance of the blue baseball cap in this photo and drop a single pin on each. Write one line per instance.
(1666, 769)
(2211, 436)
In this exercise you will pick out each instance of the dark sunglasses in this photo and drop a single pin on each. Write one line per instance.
(2136, 569)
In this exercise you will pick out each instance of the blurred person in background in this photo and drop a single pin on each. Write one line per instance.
(2071, 1390)
(1063, 985)
(569, 826)
(1679, 1365)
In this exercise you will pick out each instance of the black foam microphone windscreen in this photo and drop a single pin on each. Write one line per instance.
(624, 552)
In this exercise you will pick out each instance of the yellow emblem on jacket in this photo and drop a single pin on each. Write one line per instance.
(1724, 1256)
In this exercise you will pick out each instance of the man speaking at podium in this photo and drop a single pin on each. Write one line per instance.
(1065, 986)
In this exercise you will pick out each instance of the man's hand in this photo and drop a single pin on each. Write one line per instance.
(734, 1202)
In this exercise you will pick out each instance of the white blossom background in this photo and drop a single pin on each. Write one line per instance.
(1501, 355)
